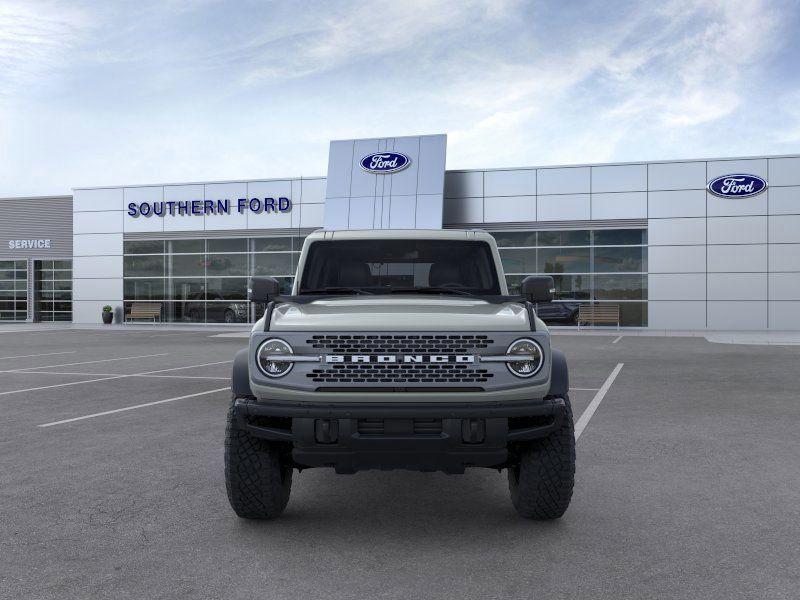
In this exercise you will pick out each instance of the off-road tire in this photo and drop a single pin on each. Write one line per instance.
(541, 483)
(258, 483)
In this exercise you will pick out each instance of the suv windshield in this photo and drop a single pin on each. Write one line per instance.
(396, 266)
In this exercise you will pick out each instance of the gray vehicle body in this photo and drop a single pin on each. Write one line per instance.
(405, 314)
(477, 392)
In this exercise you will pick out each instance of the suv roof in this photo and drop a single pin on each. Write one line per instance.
(389, 234)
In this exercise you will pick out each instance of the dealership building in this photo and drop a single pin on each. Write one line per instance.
(683, 244)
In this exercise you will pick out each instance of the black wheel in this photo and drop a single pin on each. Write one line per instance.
(230, 317)
(541, 483)
(257, 481)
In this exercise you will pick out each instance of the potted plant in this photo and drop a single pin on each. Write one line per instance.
(108, 315)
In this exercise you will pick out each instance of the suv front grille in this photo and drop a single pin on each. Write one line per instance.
(400, 373)
(399, 344)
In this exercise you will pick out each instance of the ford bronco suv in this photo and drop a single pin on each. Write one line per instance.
(400, 349)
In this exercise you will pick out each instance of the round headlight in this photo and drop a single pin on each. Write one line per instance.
(533, 361)
(273, 368)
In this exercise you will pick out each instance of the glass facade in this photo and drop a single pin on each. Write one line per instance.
(205, 280)
(13, 290)
(53, 290)
(587, 266)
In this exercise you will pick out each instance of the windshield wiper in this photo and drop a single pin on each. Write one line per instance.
(431, 290)
(336, 290)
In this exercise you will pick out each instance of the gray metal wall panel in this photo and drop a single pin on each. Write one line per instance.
(784, 200)
(463, 184)
(676, 176)
(509, 208)
(520, 182)
(622, 178)
(570, 180)
(340, 156)
(564, 207)
(756, 166)
(408, 199)
(619, 205)
(784, 171)
(36, 219)
(433, 154)
(405, 183)
(567, 225)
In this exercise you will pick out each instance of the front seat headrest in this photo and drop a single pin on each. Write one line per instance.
(354, 274)
(443, 273)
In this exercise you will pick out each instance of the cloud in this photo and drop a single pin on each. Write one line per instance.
(659, 68)
(695, 73)
(35, 38)
(787, 110)
(99, 93)
(346, 33)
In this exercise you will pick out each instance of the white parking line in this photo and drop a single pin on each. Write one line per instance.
(34, 355)
(86, 362)
(186, 377)
(113, 374)
(134, 407)
(49, 330)
(47, 387)
(235, 334)
(598, 398)
(172, 334)
(617, 339)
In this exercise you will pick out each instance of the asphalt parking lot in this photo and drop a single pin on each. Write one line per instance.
(687, 486)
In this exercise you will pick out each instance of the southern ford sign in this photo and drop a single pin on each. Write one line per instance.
(209, 207)
(385, 163)
(737, 186)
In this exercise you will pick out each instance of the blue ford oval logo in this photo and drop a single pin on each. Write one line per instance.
(384, 163)
(737, 186)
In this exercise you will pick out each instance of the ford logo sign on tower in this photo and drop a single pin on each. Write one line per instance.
(737, 186)
(384, 163)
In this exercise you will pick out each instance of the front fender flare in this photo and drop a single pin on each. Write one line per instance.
(240, 376)
(559, 376)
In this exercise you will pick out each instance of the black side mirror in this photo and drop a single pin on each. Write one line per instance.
(538, 288)
(263, 289)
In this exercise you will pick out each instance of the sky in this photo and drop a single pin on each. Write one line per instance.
(111, 93)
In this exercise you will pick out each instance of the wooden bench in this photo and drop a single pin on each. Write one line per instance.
(144, 310)
(593, 314)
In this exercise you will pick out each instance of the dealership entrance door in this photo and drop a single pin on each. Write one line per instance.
(13, 290)
(52, 290)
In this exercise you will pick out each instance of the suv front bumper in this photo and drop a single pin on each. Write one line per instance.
(428, 437)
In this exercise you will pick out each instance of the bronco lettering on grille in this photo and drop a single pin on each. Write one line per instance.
(395, 358)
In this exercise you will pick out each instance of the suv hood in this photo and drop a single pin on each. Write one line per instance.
(400, 313)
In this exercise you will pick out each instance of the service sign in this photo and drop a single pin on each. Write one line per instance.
(385, 163)
(737, 186)
(28, 244)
